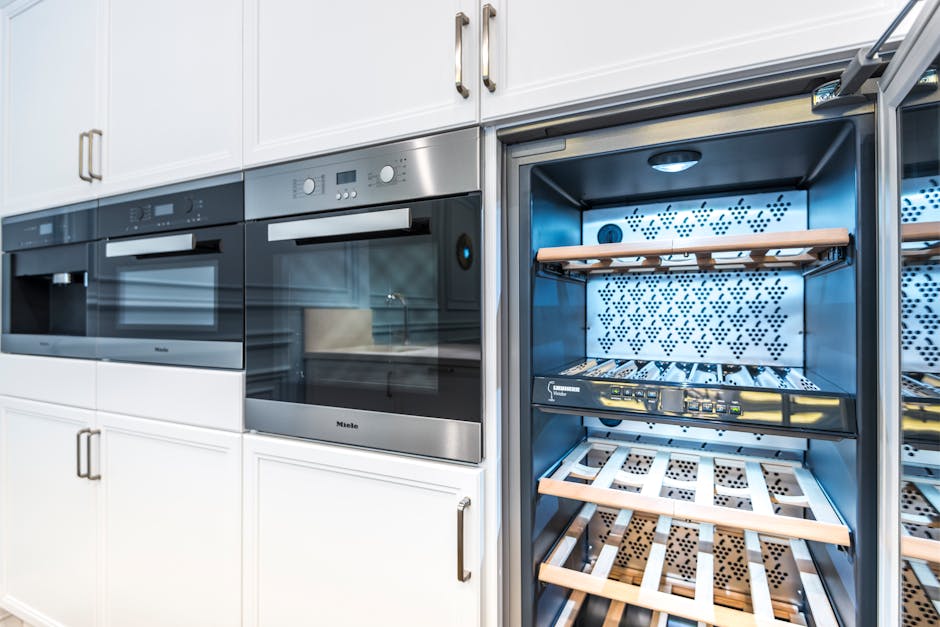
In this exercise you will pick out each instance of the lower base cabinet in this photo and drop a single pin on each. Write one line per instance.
(155, 541)
(48, 515)
(349, 538)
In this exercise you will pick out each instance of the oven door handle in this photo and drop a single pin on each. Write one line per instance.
(151, 246)
(338, 226)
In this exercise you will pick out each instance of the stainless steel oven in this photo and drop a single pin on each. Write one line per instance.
(48, 282)
(363, 290)
(171, 275)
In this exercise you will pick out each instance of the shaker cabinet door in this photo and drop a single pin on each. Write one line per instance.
(357, 538)
(50, 93)
(171, 523)
(48, 530)
(322, 76)
(546, 53)
(174, 92)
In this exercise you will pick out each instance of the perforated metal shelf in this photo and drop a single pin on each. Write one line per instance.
(715, 539)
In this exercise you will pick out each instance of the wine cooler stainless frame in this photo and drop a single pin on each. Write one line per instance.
(556, 431)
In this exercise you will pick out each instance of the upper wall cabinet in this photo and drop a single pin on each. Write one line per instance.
(105, 96)
(546, 53)
(174, 87)
(322, 76)
(50, 87)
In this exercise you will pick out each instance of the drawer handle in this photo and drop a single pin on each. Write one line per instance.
(78, 454)
(462, 575)
(91, 151)
(89, 476)
(488, 13)
(81, 157)
(460, 21)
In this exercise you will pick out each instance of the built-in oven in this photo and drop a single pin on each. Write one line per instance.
(363, 290)
(171, 269)
(48, 282)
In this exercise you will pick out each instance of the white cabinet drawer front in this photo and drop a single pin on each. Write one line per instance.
(50, 87)
(48, 552)
(174, 91)
(551, 53)
(171, 524)
(321, 76)
(358, 541)
(48, 379)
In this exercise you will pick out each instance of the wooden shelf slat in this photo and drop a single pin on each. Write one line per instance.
(610, 257)
(920, 231)
(825, 525)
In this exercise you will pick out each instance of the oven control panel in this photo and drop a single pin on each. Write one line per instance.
(422, 168)
(50, 227)
(172, 209)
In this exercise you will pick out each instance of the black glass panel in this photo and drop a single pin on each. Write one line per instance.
(379, 320)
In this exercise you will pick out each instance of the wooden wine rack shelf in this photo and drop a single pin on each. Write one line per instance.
(773, 509)
(920, 519)
(928, 232)
(699, 252)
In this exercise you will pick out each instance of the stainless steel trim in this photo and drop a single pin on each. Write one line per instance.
(460, 21)
(416, 435)
(91, 434)
(462, 575)
(91, 152)
(48, 213)
(920, 46)
(372, 222)
(81, 156)
(488, 13)
(48, 345)
(78, 454)
(151, 245)
(175, 188)
(196, 353)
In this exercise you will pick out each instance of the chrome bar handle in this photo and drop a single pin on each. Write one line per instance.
(89, 476)
(91, 152)
(81, 156)
(488, 13)
(462, 575)
(151, 246)
(78, 454)
(460, 21)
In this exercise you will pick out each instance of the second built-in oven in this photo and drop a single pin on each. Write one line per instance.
(171, 275)
(363, 291)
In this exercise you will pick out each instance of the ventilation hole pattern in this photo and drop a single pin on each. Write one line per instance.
(920, 317)
(918, 609)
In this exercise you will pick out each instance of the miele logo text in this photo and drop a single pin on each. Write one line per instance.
(560, 390)
(346, 425)
(161, 349)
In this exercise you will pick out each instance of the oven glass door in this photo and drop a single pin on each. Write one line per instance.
(181, 287)
(375, 309)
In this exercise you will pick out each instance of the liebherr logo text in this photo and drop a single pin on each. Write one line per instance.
(346, 425)
(560, 390)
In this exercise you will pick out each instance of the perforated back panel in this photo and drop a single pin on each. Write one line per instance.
(920, 283)
(919, 611)
(747, 316)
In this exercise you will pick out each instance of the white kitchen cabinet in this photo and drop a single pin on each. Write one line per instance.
(171, 524)
(51, 90)
(322, 76)
(357, 538)
(48, 515)
(173, 91)
(548, 53)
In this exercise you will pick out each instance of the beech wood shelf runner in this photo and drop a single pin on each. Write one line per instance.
(920, 519)
(769, 509)
(754, 252)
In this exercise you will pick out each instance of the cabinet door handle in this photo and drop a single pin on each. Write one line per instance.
(91, 433)
(78, 454)
(81, 156)
(488, 13)
(460, 21)
(462, 575)
(91, 152)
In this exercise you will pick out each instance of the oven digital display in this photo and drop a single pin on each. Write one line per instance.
(45, 228)
(163, 210)
(344, 178)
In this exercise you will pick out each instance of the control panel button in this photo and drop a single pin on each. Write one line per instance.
(339, 196)
(651, 394)
(721, 408)
(735, 410)
(345, 195)
(386, 174)
(627, 392)
(353, 194)
(309, 186)
(615, 391)
(707, 406)
(692, 405)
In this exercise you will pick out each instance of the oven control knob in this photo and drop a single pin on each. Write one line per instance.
(386, 174)
(309, 186)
